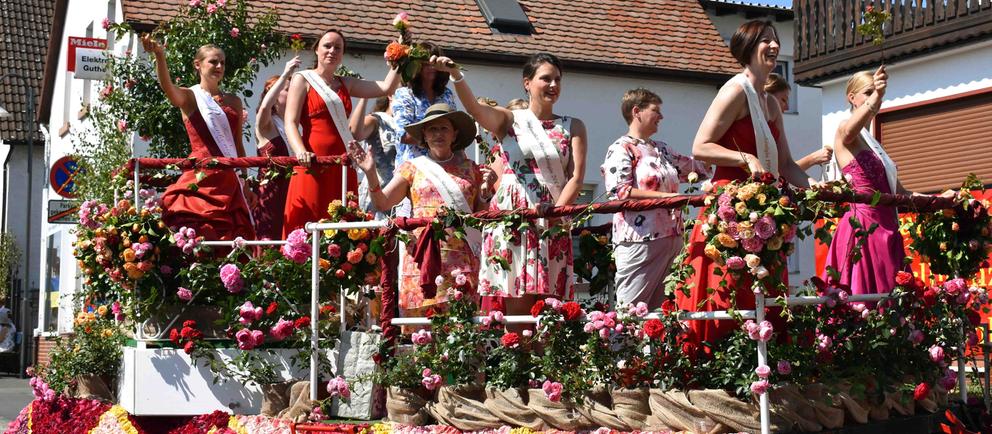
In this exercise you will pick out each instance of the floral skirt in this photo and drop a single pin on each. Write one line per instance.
(519, 262)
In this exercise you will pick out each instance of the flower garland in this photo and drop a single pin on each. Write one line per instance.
(116, 421)
(956, 241)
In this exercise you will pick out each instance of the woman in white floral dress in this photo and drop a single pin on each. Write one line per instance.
(541, 160)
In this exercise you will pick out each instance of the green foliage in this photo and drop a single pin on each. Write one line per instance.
(873, 24)
(95, 348)
(10, 256)
(956, 241)
(594, 263)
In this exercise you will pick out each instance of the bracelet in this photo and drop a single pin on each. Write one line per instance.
(460, 79)
(377, 189)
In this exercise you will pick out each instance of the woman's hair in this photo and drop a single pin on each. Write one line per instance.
(201, 53)
(440, 78)
(265, 89)
(746, 39)
(640, 98)
(858, 81)
(381, 104)
(316, 43)
(776, 83)
(536, 60)
(517, 104)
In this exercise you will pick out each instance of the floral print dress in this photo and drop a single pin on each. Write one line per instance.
(455, 253)
(519, 262)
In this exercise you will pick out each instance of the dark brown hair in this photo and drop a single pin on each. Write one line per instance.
(381, 104)
(440, 78)
(316, 42)
(640, 98)
(746, 39)
(536, 60)
(776, 83)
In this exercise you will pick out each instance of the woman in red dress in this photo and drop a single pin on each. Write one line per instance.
(320, 102)
(271, 135)
(214, 205)
(729, 139)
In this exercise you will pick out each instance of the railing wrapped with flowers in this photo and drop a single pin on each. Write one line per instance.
(843, 338)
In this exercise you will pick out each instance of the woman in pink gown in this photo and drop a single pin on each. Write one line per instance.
(867, 168)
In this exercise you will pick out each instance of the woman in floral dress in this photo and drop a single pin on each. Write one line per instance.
(443, 178)
(540, 162)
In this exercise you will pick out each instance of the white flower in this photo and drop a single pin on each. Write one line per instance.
(753, 217)
(707, 186)
(711, 220)
(760, 272)
(692, 177)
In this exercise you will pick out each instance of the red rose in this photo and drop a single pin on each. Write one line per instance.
(668, 306)
(327, 309)
(430, 312)
(272, 308)
(921, 392)
(174, 336)
(929, 297)
(903, 277)
(536, 309)
(188, 348)
(767, 178)
(571, 311)
(654, 328)
(302, 322)
(189, 323)
(186, 332)
(511, 340)
(339, 274)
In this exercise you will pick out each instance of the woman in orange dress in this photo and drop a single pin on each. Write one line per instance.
(216, 208)
(741, 133)
(320, 102)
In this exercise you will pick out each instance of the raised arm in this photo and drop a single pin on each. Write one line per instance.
(729, 102)
(295, 102)
(495, 119)
(359, 88)
(263, 121)
(382, 198)
(863, 114)
(178, 96)
(361, 124)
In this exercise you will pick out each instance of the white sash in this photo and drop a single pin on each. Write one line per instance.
(534, 142)
(334, 105)
(766, 148)
(451, 193)
(215, 118)
(890, 166)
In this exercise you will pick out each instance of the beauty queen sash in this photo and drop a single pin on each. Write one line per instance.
(450, 192)
(215, 118)
(832, 172)
(534, 142)
(767, 149)
(334, 105)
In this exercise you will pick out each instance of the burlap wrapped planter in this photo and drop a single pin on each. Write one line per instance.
(597, 407)
(275, 398)
(407, 406)
(510, 406)
(463, 407)
(631, 407)
(94, 387)
(562, 414)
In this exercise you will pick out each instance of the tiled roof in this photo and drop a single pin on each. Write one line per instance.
(24, 32)
(674, 36)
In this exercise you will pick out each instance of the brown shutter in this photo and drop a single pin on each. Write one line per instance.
(936, 144)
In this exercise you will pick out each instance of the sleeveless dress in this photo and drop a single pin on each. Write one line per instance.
(540, 266)
(883, 251)
(455, 253)
(310, 193)
(271, 195)
(740, 136)
(216, 207)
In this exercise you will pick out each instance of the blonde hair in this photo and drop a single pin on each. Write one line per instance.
(640, 98)
(776, 83)
(517, 104)
(857, 82)
(201, 53)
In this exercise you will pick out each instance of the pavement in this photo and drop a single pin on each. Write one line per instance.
(15, 394)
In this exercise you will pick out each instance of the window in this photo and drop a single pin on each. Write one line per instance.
(784, 68)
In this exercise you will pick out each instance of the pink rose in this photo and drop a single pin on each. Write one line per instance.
(430, 381)
(122, 125)
(552, 390)
(194, 3)
(211, 9)
(461, 280)
(401, 18)
(355, 256)
(249, 339)
(765, 330)
(105, 24)
(338, 387)
(784, 367)
(735, 263)
(753, 244)
(751, 328)
(422, 337)
(955, 286)
(639, 310)
(235, 32)
(763, 371)
(184, 294)
(231, 276)
(282, 329)
(937, 354)
(334, 251)
(249, 313)
(824, 342)
(726, 214)
(760, 387)
(765, 227)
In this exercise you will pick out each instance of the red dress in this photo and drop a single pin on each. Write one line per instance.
(310, 193)
(271, 195)
(216, 208)
(740, 136)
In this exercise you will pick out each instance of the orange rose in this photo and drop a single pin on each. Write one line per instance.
(396, 51)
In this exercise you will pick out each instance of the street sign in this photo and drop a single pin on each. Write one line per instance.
(75, 43)
(62, 176)
(62, 212)
(91, 64)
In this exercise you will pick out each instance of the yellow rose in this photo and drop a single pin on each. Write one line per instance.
(741, 208)
(774, 243)
(107, 333)
(752, 260)
(333, 208)
(102, 311)
(730, 189)
(324, 264)
(726, 241)
(354, 234)
(330, 233)
(745, 230)
(746, 192)
(128, 255)
(711, 252)
(761, 198)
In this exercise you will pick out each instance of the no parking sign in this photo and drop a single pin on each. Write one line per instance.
(62, 177)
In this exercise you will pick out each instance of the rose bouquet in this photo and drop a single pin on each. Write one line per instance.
(351, 259)
(561, 330)
(405, 54)
(749, 226)
(669, 349)
(956, 241)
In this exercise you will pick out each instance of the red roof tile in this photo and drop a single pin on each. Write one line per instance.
(674, 36)
(24, 30)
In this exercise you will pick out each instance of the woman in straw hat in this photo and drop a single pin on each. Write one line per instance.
(443, 178)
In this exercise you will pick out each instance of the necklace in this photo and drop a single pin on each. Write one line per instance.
(444, 160)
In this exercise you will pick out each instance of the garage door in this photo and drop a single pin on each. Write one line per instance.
(935, 145)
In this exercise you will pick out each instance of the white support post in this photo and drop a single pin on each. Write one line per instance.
(759, 316)
(344, 184)
(137, 186)
(314, 311)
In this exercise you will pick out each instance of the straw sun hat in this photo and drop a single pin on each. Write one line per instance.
(461, 120)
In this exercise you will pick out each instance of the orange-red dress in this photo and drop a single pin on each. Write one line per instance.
(740, 136)
(216, 207)
(310, 193)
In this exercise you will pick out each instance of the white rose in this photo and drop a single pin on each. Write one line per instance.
(711, 219)
(692, 177)
(761, 272)
(753, 217)
(752, 260)
(707, 186)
